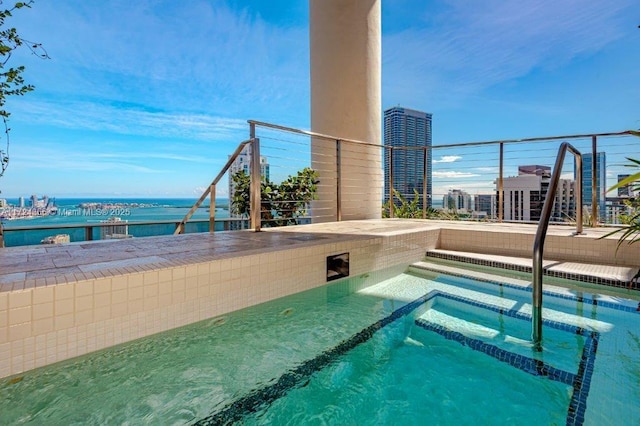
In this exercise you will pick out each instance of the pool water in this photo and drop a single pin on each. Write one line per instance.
(413, 349)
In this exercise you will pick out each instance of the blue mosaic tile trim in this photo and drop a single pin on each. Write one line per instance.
(257, 399)
(582, 299)
(582, 383)
(528, 365)
(514, 314)
(521, 268)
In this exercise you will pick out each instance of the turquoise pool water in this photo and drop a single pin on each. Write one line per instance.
(413, 349)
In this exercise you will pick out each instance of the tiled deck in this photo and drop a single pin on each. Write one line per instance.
(34, 266)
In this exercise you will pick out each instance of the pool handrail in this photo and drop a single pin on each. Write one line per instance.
(541, 233)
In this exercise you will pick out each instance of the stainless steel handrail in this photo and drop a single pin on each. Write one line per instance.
(211, 190)
(541, 233)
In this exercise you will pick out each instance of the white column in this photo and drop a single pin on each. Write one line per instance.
(345, 39)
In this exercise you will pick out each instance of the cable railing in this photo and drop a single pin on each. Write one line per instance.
(296, 176)
(471, 180)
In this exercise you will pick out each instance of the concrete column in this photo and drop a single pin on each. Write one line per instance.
(345, 39)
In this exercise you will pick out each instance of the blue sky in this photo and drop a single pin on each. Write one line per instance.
(148, 98)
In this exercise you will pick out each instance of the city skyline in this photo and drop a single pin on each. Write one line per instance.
(150, 102)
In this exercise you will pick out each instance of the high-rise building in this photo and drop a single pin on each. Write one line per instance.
(456, 199)
(243, 163)
(535, 169)
(21, 202)
(601, 181)
(34, 201)
(524, 196)
(407, 128)
(486, 204)
(626, 190)
(117, 229)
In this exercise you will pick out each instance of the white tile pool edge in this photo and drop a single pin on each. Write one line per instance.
(41, 326)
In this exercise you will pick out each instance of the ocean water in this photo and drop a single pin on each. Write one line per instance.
(154, 209)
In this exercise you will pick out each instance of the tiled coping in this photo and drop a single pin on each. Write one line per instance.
(57, 302)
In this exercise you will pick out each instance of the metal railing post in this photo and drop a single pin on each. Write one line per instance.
(424, 184)
(501, 185)
(212, 208)
(579, 202)
(338, 181)
(255, 190)
(391, 204)
(595, 211)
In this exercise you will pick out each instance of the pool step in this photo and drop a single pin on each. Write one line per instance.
(501, 326)
(609, 275)
(486, 282)
(504, 335)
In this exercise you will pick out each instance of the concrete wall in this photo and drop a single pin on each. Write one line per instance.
(345, 39)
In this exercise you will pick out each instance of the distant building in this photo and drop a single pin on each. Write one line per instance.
(57, 239)
(117, 229)
(409, 128)
(21, 202)
(485, 205)
(626, 191)
(34, 200)
(243, 163)
(535, 170)
(3, 203)
(524, 196)
(457, 199)
(601, 181)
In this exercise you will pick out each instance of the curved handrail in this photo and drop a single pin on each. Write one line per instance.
(232, 158)
(541, 233)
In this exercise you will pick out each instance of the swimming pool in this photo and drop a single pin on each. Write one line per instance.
(418, 347)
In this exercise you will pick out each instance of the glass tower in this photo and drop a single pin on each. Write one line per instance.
(601, 182)
(408, 128)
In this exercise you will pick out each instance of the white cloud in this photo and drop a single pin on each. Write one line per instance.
(448, 159)
(453, 174)
(38, 157)
(488, 169)
(93, 116)
(204, 57)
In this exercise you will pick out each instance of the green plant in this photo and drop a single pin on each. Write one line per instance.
(280, 204)
(630, 233)
(406, 209)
